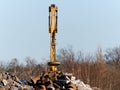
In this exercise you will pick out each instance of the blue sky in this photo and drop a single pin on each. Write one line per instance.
(83, 24)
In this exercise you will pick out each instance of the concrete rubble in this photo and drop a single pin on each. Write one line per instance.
(12, 82)
(79, 84)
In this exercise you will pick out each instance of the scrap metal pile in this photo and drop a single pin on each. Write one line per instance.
(53, 81)
(62, 81)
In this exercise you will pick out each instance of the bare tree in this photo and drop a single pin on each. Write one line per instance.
(113, 56)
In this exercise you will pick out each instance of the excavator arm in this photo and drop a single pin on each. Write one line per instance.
(53, 30)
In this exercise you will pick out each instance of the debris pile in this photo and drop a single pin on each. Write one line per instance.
(12, 82)
(62, 81)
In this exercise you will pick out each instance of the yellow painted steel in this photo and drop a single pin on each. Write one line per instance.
(53, 30)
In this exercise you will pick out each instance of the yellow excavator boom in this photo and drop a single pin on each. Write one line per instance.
(53, 30)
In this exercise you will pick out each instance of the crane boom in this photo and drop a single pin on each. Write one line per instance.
(53, 30)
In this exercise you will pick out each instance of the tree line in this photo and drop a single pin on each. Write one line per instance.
(98, 69)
